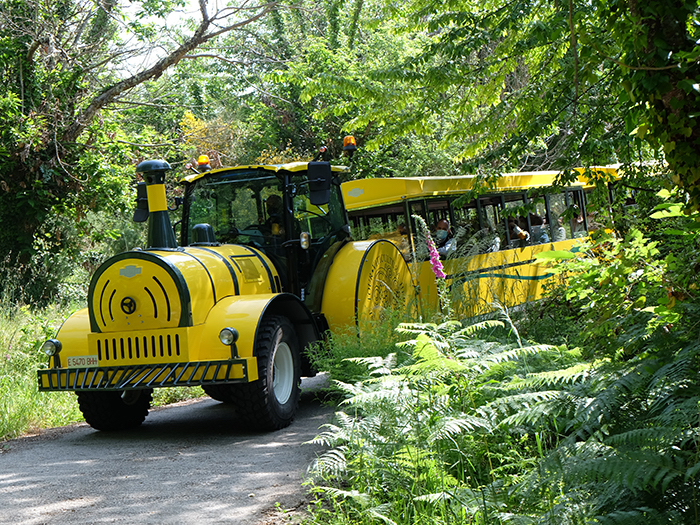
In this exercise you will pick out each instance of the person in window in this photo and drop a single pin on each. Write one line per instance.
(274, 220)
(559, 231)
(578, 227)
(444, 241)
(539, 229)
(518, 231)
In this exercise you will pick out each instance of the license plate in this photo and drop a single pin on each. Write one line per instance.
(81, 361)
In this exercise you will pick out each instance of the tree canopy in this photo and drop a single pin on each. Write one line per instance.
(90, 87)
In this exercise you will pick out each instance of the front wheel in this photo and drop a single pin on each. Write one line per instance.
(271, 402)
(114, 410)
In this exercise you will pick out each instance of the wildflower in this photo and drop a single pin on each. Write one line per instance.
(435, 261)
(438, 268)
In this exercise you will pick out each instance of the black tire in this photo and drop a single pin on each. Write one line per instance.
(221, 393)
(271, 402)
(115, 410)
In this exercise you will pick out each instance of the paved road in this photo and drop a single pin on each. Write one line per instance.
(188, 463)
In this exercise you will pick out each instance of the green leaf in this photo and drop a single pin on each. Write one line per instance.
(554, 255)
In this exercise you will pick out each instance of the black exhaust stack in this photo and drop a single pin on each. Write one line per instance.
(160, 231)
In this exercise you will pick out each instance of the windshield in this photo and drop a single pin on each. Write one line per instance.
(240, 206)
(250, 207)
(319, 221)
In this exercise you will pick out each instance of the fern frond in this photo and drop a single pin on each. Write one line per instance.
(362, 499)
(449, 427)
(515, 519)
(449, 327)
(566, 376)
(391, 389)
(654, 438)
(380, 512)
(645, 515)
(415, 328)
(376, 365)
(330, 464)
(529, 409)
(434, 498)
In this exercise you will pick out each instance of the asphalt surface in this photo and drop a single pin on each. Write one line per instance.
(188, 463)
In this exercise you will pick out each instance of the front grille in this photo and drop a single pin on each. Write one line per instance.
(130, 348)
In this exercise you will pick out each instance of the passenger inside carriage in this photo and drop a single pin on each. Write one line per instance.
(538, 229)
(445, 242)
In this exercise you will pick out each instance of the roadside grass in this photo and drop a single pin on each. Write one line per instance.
(23, 408)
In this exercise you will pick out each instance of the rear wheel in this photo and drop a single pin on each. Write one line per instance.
(271, 402)
(114, 410)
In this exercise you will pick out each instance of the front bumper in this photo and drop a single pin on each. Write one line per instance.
(133, 377)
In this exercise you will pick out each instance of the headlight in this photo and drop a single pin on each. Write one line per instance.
(52, 347)
(228, 336)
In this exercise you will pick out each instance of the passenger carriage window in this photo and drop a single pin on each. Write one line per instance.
(519, 234)
(492, 223)
(537, 219)
(466, 229)
(560, 226)
(387, 222)
(419, 245)
(576, 214)
(437, 211)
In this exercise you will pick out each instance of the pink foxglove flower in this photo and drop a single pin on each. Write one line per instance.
(435, 261)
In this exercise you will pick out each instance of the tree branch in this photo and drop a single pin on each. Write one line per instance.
(199, 37)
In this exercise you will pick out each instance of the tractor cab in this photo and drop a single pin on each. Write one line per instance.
(293, 213)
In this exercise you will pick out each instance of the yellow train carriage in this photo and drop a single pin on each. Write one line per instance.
(495, 236)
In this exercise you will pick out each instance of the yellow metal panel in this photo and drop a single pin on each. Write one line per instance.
(136, 294)
(366, 278)
(141, 347)
(339, 294)
(73, 334)
(156, 197)
(216, 266)
(384, 282)
(479, 283)
(198, 281)
(240, 312)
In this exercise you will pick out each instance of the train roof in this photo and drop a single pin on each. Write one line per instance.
(367, 193)
(243, 170)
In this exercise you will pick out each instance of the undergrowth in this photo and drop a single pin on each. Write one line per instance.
(476, 424)
(476, 431)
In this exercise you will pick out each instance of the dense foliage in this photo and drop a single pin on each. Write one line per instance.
(475, 423)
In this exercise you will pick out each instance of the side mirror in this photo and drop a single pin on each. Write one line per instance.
(319, 175)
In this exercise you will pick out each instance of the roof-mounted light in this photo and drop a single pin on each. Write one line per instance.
(203, 163)
(349, 143)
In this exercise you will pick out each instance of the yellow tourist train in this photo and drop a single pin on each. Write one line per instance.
(270, 258)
